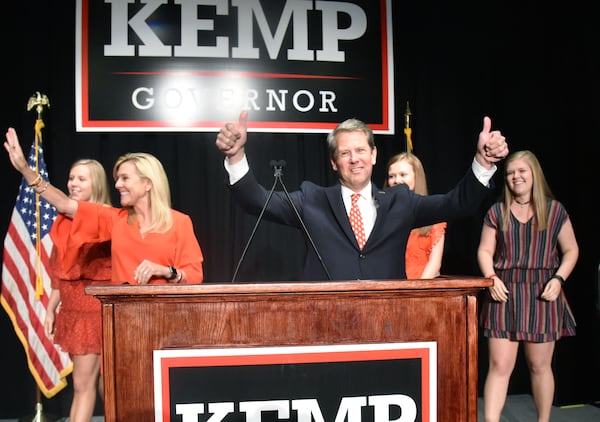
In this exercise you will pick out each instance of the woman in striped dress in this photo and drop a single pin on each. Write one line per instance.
(528, 248)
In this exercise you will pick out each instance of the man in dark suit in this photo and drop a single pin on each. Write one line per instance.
(388, 215)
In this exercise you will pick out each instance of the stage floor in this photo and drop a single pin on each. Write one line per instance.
(519, 408)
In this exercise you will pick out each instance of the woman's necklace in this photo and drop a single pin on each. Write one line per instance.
(522, 203)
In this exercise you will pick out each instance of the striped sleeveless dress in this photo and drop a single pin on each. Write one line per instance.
(525, 259)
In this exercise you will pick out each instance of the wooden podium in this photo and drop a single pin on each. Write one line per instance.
(136, 320)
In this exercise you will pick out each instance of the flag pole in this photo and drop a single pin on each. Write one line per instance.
(407, 129)
(38, 101)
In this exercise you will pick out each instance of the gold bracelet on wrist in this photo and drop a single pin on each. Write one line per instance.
(39, 192)
(36, 181)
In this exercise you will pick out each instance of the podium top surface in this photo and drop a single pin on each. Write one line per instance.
(443, 283)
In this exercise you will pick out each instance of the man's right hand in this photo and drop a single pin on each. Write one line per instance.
(491, 145)
(232, 138)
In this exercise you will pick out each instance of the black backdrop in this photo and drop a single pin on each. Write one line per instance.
(532, 69)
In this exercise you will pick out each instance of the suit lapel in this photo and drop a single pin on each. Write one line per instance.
(382, 206)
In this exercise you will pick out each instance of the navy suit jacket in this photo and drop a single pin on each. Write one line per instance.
(399, 210)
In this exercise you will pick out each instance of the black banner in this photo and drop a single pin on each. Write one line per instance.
(189, 65)
(391, 382)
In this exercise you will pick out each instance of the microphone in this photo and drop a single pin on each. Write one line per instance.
(278, 167)
(278, 164)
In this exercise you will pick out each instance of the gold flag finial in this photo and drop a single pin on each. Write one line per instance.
(38, 101)
(407, 129)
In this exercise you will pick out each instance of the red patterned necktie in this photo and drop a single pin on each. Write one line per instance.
(356, 221)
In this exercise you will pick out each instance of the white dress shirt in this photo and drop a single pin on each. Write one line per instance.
(365, 203)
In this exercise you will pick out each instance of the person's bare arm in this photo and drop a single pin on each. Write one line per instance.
(434, 264)
(485, 258)
(54, 196)
(570, 253)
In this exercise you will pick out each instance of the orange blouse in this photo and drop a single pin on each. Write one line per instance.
(419, 248)
(78, 319)
(177, 247)
(91, 262)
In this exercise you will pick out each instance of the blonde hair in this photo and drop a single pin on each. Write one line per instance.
(420, 178)
(100, 190)
(149, 167)
(540, 191)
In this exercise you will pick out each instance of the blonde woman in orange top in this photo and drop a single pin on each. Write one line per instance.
(425, 247)
(150, 241)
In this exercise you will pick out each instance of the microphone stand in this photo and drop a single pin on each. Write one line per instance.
(277, 174)
(258, 220)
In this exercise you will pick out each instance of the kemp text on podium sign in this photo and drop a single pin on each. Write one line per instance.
(356, 382)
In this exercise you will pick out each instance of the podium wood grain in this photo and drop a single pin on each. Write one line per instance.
(136, 320)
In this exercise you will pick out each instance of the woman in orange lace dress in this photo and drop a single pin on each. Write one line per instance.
(73, 318)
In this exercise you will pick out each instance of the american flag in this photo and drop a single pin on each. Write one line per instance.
(25, 280)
